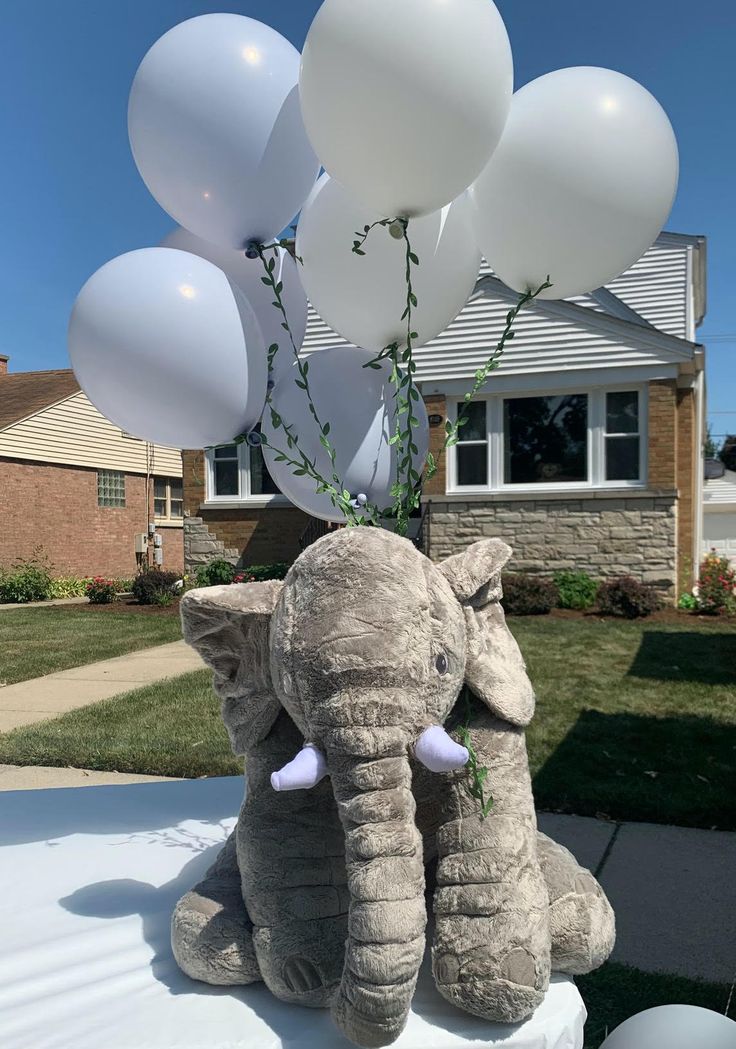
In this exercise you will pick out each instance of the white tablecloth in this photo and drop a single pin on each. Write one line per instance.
(88, 880)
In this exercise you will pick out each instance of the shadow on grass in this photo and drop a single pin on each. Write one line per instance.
(675, 770)
(672, 655)
(616, 992)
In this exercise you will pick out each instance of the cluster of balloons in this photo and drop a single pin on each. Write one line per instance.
(410, 109)
(674, 1027)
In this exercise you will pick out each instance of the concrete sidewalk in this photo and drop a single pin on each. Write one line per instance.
(54, 694)
(51, 603)
(41, 777)
(673, 890)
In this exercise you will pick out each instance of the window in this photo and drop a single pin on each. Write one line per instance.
(622, 437)
(110, 488)
(472, 447)
(168, 498)
(546, 439)
(593, 438)
(238, 471)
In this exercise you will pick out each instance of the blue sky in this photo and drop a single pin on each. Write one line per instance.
(71, 197)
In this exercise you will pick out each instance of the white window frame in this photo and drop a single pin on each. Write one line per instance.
(596, 442)
(244, 496)
(167, 518)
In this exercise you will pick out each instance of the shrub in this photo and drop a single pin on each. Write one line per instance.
(101, 591)
(28, 580)
(528, 595)
(215, 573)
(575, 590)
(716, 590)
(148, 586)
(688, 603)
(627, 597)
(260, 573)
(68, 586)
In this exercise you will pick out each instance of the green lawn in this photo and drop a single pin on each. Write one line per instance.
(635, 721)
(36, 641)
(615, 992)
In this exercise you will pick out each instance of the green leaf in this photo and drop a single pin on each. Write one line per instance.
(279, 287)
(266, 280)
(413, 258)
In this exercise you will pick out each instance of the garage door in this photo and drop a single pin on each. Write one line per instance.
(719, 533)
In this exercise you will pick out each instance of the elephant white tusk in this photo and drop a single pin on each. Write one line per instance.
(439, 752)
(303, 772)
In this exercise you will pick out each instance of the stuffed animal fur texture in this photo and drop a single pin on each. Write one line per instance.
(362, 653)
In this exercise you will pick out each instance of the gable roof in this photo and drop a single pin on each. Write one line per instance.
(25, 393)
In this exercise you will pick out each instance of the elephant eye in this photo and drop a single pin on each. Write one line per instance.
(441, 663)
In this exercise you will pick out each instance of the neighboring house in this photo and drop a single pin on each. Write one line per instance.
(75, 485)
(584, 452)
(719, 510)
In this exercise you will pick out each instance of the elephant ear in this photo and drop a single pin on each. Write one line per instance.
(229, 627)
(495, 669)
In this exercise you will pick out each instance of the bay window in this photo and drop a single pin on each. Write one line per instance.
(550, 441)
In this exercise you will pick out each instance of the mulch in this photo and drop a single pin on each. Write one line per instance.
(126, 604)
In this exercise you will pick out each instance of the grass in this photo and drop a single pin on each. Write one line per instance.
(36, 641)
(615, 992)
(172, 728)
(635, 721)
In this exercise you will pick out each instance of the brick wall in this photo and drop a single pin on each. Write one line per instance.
(662, 472)
(244, 536)
(688, 461)
(437, 405)
(55, 507)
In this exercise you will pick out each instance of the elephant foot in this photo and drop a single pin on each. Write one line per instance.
(302, 961)
(504, 989)
(211, 934)
(582, 922)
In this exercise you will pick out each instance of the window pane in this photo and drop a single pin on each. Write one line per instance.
(228, 451)
(622, 412)
(472, 464)
(475, 428)
(110, 488)
(159, 507)
(177, 508)
(546, 439)
(227, 481)
(261, 482)
(177, 488)
(622, 458)
(159, 488)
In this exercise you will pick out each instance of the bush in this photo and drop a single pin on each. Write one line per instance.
(221, 573)
(575, 590)
(28, 580)
(101, 591)
(528, 595)
(716, 590)
(688, 603)
(149, 586)
(67, 586)
(627, 597)
(216, 573)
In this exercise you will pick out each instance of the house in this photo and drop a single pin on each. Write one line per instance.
(76, 486)
(719, 510)
(584, 452)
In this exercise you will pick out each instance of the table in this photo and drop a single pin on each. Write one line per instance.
(88, 879)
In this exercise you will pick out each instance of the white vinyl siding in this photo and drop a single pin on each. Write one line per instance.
(74, 433)
(658, 287)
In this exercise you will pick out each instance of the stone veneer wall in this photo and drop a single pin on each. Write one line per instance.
(629, 535)
(201, 546)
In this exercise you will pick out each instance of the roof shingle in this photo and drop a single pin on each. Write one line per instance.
(25, 393)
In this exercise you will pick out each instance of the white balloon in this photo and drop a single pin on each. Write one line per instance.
(216, 129)
(581, 183)
(363, 296)
(405, 102)
(247, 274)
(168, 349)
(359, 405)
(674, 1027)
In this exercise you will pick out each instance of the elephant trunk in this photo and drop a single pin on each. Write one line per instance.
(371, 779)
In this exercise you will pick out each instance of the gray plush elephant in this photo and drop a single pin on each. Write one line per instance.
(336, 685)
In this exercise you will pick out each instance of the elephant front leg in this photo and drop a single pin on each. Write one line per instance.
(211, 933)
(491, 951)
(291, 850)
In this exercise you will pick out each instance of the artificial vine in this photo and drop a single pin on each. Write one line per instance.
(477, 773)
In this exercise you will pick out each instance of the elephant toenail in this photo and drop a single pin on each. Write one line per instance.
(447, 969)
(518, 967)
(300, 975)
